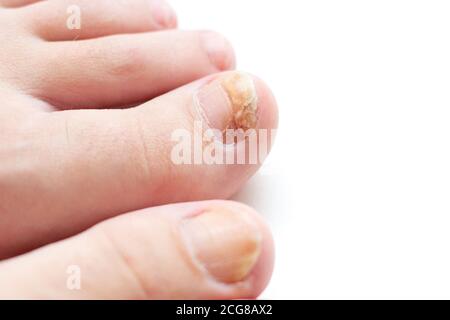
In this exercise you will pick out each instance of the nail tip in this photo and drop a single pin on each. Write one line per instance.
(241, 90)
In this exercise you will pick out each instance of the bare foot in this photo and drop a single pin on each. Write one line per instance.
(72, 157)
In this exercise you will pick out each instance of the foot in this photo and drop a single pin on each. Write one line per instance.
(90, 126)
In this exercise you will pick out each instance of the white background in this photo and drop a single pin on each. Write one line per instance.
(357, 189)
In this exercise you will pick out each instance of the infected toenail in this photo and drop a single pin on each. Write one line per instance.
(241, 91)
(230, 102)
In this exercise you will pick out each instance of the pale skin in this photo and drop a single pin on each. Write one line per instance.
(86, 177)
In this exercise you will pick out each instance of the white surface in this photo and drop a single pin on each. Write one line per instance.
(357, 189)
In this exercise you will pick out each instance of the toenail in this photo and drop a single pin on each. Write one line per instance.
(229, 102)
(226, 243)
(163, 14)
(219, 50)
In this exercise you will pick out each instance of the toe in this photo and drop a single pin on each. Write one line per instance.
(200, 250)
(17, 3)
(123, 70)
(86, 19)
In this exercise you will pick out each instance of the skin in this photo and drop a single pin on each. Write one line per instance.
(85, 131)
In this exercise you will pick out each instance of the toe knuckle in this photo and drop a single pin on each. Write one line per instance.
(117, 253)
(126, 61)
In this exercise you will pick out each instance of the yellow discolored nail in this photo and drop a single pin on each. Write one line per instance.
(229, 102)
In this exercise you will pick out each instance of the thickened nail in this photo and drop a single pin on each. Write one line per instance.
(229, 102)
